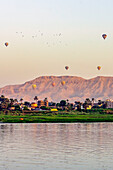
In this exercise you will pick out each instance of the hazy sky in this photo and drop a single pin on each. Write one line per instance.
(46, 35)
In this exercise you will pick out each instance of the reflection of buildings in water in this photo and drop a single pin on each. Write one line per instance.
(63, 134)
(51, 135)
(60, 136)
(63, 137)
(70, 134)
(42, 133)
(66, 134)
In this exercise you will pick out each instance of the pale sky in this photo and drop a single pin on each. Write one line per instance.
(46, 35)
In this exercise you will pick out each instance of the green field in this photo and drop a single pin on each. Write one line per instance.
(60, 117)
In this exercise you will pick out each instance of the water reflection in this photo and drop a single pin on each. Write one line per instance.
(56, 146)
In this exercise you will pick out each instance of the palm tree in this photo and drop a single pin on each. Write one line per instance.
(21, 100)
(67, 101)
(15, 100)
(11, 102)
(36, 98)
(87, 101)
(93, 101)
(2, 96)
(45, 99)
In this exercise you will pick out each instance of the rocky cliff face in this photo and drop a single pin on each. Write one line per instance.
(75, 88)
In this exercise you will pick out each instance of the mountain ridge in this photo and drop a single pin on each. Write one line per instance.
(75, 88)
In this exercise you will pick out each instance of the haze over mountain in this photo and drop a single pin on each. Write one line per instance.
(75, 88)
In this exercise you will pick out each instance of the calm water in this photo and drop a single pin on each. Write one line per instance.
(87, 146)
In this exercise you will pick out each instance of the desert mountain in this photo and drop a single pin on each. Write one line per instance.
(75, 88)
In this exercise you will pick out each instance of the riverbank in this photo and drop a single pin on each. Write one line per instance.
(57, 118)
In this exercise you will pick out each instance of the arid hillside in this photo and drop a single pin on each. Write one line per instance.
(75, 88)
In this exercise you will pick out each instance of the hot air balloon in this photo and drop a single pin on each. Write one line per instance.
(34, 86)
(6, 44)
(104, 36)
(99, 67)
(63, 83)
(53, 84)
(66, 67)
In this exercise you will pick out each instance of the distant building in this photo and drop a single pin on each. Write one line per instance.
(54, 110)
(95, 105)
(33, 105)
(100, 104)
(89, 107)
(109, 103)
(11, 108)
(46, 103)
(78, 106)
(41, 103)
(52, 104)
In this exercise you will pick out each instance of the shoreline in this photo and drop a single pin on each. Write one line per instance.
(66, 118)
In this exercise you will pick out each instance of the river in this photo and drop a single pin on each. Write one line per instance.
(50, 146)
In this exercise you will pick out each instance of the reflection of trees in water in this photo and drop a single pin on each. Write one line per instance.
(64, 134)
(3, 126)
(60, 136)
(11, 128)
(6, 132)
(3, 130)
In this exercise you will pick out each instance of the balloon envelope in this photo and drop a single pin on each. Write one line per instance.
(99, 67)
(53, 84)
(34, 86)
(6, 44)
(63, 83)
(104, 36)
(66, 67)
